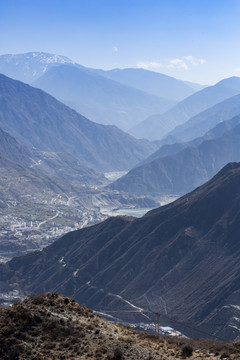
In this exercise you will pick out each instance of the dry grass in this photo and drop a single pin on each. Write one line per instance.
(55, 327)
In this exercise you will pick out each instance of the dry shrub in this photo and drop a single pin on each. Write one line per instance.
(187, 351)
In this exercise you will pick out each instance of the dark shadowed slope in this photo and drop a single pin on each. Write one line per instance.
(182, 260)
(184, 169)
(36, 119)
(100, 99)
(157, 126)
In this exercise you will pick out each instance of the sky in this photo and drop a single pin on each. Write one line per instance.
(193, 40)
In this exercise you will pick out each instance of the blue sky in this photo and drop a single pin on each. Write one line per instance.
(194, 40)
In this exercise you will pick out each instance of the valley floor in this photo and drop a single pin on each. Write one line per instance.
(29, 224)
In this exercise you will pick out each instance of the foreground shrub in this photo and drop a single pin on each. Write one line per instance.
(187, 351)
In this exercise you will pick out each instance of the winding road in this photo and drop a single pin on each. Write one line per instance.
(45, 221)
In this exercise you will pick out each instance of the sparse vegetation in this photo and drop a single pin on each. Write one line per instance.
(52, 326)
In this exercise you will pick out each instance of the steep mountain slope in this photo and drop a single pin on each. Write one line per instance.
(183, 171)
(37, 208)
(215, 132)
(100, 99)
(45, 194)
(36, 184)
(60, 165)
(182, 260)
(29, 66)
(19, 181)
(36, 119)
(152, 82)
(157, 126)
(201, 123)
(12, 149)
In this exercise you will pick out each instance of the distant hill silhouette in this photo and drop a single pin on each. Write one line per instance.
(158, 126)
(204, 121)
(152, 82)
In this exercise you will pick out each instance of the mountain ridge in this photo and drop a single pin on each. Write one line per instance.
(152, 82)
(98, 98)
(215, 132)
(204, 121)
(188, 166)
(181, 259)
(29, 66)
(55, 326)
(36, 119)
(157, 127)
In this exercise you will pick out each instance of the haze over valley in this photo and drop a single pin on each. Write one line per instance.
(119, 180)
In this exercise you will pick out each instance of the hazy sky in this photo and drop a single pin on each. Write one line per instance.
(194, 40)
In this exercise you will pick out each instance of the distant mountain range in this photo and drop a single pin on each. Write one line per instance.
(152, 82)
(179, 168)
(204, 121)
(181, 260)
(97, 94)
(35, 118)
(29, 66)
(158, 126)
(100, 99)
(216, 132)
